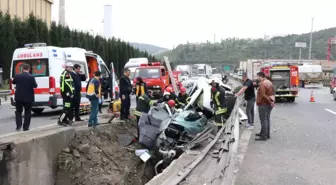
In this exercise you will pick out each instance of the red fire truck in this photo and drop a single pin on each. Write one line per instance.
(285, 79)
(155, 76)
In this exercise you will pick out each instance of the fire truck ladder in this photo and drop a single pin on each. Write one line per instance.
(331, 41)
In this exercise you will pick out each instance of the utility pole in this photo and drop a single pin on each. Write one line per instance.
(311, 39)
(214, 38)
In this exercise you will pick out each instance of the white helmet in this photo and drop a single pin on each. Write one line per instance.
(166, 94)
(69, 64)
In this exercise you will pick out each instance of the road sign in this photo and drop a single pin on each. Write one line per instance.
(300, 44)
(226, 68)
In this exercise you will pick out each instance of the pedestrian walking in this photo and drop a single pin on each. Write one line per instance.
(24, 97)
(265, 102)
(125, 91)
(249, 96)
(78, 77)
(67, 93)
(93, 93)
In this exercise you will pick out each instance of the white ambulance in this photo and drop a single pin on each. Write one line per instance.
(47, 64)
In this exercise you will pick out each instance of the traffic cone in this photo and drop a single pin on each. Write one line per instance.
(312, 99)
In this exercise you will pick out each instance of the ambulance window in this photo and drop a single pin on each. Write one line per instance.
(38, 67)
(104, 71)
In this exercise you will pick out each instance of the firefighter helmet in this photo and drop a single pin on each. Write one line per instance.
(169, 89)
(183, 90)
(171, 103)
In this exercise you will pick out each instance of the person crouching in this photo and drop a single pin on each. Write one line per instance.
(143, 106)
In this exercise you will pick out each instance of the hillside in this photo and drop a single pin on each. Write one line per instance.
(234, 49)
(151, 49)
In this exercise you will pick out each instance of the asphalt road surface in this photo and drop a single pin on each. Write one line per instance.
(47, 118)
(302, 148)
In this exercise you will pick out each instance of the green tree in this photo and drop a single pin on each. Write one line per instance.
(14, 33)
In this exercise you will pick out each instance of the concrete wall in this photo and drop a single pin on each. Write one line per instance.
(22, 8)
(32, 162)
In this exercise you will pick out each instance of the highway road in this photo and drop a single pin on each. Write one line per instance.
(302, 148)
(47, 118)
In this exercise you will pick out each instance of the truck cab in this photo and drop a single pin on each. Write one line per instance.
(285, 79)
(154, 75)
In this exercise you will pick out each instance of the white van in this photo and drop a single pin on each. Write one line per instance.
(47, 64)
(134, 63)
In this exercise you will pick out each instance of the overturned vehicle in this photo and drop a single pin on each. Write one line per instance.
(168, 132)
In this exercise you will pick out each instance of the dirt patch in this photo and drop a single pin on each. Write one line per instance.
(100, 157)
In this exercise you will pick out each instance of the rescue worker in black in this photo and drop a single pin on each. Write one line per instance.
(78, 77)
(125, 92)
(183, 98)
(140, 88)
(165, 98)
(67, 92)
(218, 101)
(143, 105)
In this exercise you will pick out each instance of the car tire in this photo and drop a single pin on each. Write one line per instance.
(37, 110)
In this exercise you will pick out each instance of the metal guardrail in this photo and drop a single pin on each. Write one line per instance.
(224, 146)
(4, 94)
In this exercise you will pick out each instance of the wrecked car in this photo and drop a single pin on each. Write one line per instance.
(168, 131)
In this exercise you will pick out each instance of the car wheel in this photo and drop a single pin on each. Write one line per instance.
(37, 110)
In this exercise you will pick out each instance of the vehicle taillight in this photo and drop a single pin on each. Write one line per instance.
(52, 85)
(11, 87)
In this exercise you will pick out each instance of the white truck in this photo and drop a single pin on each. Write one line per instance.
(310, 75)
(252, 68)
(185, 71)
(134, 63)
(204, 70)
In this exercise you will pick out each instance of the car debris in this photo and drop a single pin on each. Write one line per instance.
(170, 132)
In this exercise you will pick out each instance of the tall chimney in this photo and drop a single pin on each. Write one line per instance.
(108, 22)
(61, 19)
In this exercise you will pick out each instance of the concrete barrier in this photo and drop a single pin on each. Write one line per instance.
(31, 161)
(30, 156)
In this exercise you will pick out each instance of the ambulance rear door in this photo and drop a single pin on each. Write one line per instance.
(38, 60)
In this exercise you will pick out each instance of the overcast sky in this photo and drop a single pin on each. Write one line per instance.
(168, 23)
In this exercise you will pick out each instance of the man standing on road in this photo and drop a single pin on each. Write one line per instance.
(24, 97)
(218, 102)
(249, 96)
(93, 93)
(265, 104)
(67, 92)
(125, 91)
(78, 77)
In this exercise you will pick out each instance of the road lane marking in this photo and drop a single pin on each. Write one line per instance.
(242, 148)
(332, 112)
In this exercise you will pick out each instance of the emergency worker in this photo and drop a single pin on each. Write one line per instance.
(140, 88)
(143, 105)
(171, 92)
(183, 98)
(67, 92)
(165, 98)
(219, 102)
(172, 105)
